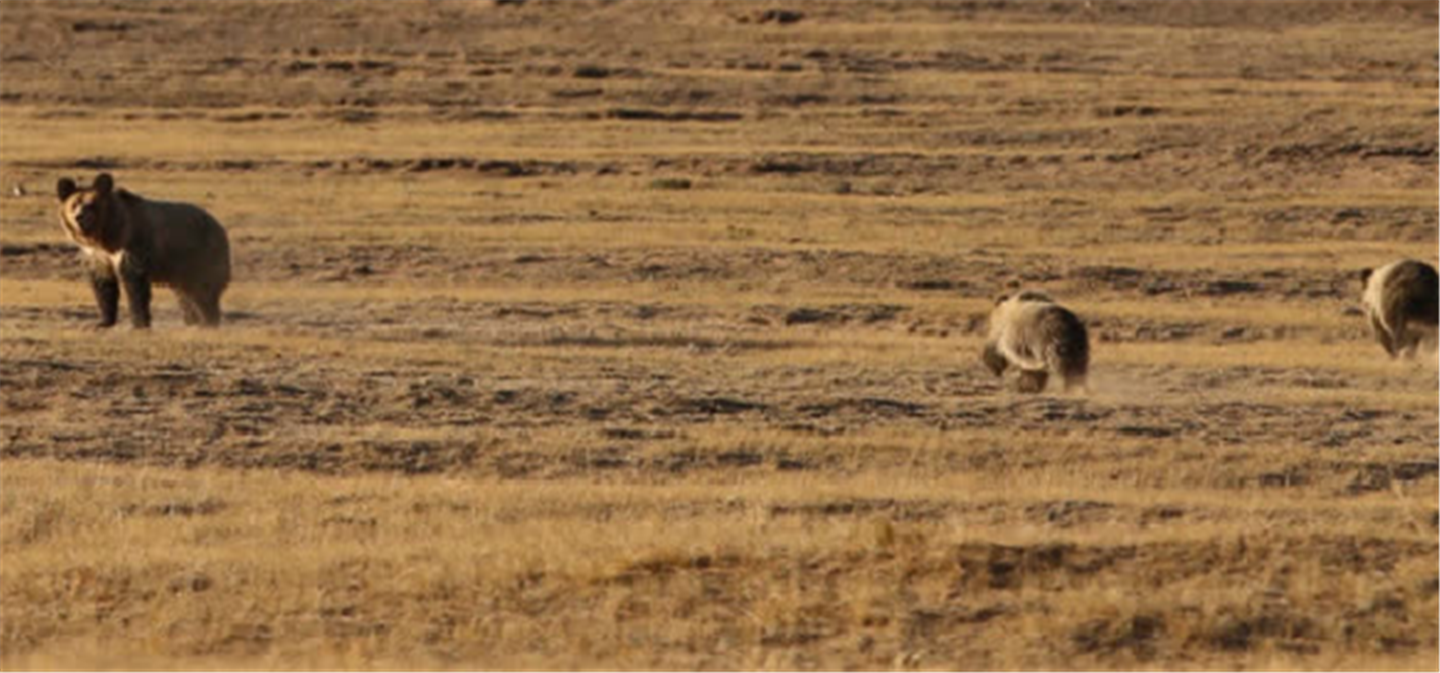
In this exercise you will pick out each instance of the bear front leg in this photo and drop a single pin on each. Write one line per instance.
(993, 360)
(107, 294)
(1382, 335)
(137, 291)
(1405, 340)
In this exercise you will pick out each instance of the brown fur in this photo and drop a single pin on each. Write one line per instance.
(1402, 303)
(132, 242)
(1039, 337)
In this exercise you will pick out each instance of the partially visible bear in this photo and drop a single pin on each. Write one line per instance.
(130, 241)
(1040, 337)
(1402, 300)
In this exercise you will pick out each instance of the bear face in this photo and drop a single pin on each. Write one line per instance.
(88, 213)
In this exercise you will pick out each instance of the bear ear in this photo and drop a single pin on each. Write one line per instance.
(104, 183)
(65, 187)
(1365, 275)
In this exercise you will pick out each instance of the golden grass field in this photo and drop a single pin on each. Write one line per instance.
(646, 335)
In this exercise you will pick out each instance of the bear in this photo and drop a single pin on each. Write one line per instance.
(1401, 300)
(1039, 337)
(132, 242)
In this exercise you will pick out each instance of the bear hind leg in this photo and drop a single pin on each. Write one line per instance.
(208, 306)
(189, 309)
(1416, 335)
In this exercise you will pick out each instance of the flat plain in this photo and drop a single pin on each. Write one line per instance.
(646, 335)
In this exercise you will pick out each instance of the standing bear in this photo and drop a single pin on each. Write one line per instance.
(128, 240)
(1038, 336)
(1402, 300)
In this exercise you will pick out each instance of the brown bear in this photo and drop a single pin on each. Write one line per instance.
(1038, 336)
(130, 241)
(1402, 300)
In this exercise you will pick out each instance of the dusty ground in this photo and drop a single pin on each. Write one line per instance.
(646, 335)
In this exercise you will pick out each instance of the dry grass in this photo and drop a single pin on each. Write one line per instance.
(277, 569)
(486, 398)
